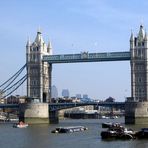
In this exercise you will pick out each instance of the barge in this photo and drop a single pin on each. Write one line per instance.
(142, 134)
(119, 132)
(110, 124)
(69, 129)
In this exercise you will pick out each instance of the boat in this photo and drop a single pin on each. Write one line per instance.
(103, 117)
(113, 117)
(118, 132)
(143, 133)
(110, 124)
(20, 125)
(69, 129)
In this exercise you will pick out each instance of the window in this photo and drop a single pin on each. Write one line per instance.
(139, 44)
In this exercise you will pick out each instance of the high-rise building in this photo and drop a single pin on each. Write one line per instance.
(78, 96)
(54, 92)
(85, 96)
(65, 93)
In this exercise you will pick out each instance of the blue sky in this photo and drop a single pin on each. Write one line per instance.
(74, 26)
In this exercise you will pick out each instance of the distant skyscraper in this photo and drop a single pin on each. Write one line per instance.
(54, 92)
(65, 93)
(85, 96)
(78, 96)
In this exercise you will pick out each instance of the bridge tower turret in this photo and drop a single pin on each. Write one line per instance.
(38, 72)
(49, 48)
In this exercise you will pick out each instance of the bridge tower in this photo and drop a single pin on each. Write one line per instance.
(38, 72)
(139, 65)
(38, 82)
(136, 108)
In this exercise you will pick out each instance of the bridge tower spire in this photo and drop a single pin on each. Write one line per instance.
(38, 72)
(49, 48)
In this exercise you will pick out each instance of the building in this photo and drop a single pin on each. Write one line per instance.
(39, 73)
(110, 99)
(85, 96)
(65, 93)
(13, 100)
(54, 92)
(1, 94)
(78, 96)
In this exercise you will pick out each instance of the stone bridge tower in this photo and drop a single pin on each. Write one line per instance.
(139, 65)
(136, 108)
(38, 72)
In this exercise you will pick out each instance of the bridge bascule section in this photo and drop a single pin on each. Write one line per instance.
(39, 62)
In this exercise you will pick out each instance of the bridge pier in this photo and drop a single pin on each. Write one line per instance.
(136, 112)
(37, 113)
(53, 117)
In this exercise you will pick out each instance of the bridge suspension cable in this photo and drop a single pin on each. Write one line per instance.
(12, 88)
(7, 83)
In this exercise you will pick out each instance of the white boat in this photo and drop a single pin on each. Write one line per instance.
(20, 125)
(3, 118)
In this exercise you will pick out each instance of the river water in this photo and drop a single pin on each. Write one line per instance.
(40, 136)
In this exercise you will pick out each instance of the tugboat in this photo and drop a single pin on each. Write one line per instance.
(118, 132)
(69, 129)
(20, 125)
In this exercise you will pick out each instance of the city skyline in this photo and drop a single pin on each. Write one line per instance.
(93, 26)
(66, 93)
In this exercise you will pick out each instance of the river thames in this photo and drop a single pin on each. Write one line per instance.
(40, 136)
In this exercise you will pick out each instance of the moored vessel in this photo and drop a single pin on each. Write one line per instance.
(20, 125)
(118, 132)
(142, 134)
(110, 124)
(69, 129)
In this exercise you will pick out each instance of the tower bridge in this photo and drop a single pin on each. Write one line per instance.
(39, 62)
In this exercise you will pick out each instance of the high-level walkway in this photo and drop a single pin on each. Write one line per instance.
(87, 57)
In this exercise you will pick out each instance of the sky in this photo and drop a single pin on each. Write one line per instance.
(74, 26)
